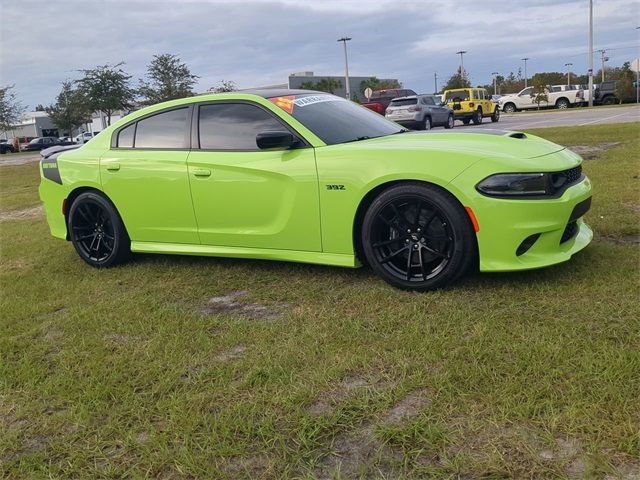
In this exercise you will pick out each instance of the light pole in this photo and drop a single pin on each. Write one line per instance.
(525, 70)
(495, 82)
(461, 53)
(568, 65)
(435, 82)
(344, 41)
(603, 59)
(590, 72)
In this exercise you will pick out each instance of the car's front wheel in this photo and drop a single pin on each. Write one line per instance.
(495, 116)
(450, 122)
(509, 108)
(96, 231)
(417, 237)
(477, 117)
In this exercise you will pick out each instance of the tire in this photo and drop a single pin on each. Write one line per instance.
(509, 108)
(415, 222)
(562, 103)
(450, 122)
(97, 232)
(426, 123)
(466, 121)
(477, 117)
(495, 116)
(608, 100)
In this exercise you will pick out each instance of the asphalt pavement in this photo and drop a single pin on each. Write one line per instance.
(576, 116)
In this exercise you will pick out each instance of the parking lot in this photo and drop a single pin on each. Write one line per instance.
(562, 118)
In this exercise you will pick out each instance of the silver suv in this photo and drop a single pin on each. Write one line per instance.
(420, 112)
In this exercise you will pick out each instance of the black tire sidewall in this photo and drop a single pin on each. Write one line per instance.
(122, 246)
(450, 122)
(464, 241)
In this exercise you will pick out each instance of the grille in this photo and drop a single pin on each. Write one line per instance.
(560, 181)
(573, 174)
(569, 232)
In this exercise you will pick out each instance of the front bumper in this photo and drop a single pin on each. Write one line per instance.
(557, 226)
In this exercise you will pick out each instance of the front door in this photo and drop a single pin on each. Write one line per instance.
(145, 175)
(247, 197)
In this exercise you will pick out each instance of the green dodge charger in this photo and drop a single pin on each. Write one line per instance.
(305, 176)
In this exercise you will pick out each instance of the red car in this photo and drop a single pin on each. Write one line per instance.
(380, 99)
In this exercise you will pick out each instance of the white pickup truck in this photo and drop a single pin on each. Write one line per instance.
(559, 96)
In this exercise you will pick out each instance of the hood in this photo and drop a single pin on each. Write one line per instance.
(480, 143)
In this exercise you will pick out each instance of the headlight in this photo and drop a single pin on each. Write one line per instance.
(516, 184)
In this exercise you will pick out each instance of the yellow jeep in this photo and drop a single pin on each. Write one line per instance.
(471, 104)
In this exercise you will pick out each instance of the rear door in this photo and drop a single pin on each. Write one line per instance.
(247, 197)
(145, 175)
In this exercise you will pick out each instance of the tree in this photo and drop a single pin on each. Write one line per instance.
(40, 108)
(10, 108)
(107, 88)
(329, 85)
(550, 78)
(539, 92)
(224, 86)
(375, 83)
(70, 110)
(457, 80)
(625, 88)
(168, 79)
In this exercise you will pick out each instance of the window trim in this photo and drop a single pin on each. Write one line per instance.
(195, 127)
(186, 138)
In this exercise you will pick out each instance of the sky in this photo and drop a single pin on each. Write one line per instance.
(260, 42)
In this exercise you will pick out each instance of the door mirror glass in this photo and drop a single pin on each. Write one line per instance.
(283, 139)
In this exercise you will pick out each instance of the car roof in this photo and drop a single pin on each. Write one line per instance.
(279, 92)
(407, 97)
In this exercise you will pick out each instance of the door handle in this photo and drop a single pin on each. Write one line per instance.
(202, 172)
(113, 167)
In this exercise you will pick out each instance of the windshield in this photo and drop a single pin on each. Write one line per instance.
(334, 119)
(34, 141)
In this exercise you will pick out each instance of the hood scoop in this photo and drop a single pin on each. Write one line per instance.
(519, 135)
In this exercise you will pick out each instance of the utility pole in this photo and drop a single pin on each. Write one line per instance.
(568, 65)
(461, 53)
(495, 82)
(525, 70)
(590, 72)
(435, 82)
(603, 59)
(344, 41)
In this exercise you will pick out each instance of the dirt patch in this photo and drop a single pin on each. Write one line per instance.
(590, 152)
(231, 304)
(22, 214)
(634, 207)
(631, 239)
(230, 354)
(626, 471)
(327, 401)
(408, 407)
(19, 159)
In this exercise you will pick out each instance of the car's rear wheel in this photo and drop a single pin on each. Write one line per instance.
(562, 103)
(495, 116)
(97, 232)
(509, 108)
(450, 122)
(417, 237)
(477, 117)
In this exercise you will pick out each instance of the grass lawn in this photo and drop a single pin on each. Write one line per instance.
(183, 367)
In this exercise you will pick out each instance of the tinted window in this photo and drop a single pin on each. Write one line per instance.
(334, 119)
(403, 101)
(234, 126)
(164, 130)
(125, 137)
(428, 101)
(458, 95)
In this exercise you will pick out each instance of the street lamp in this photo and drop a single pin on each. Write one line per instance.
(344, 41)
(495, 82)
(568, 65)
(525, 70)
(461, 53)
(603, 59)
(590, 72)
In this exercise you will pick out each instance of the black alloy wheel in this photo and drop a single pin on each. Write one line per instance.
(96, 231)
(417, 237)
(477, 117)
(450, 122)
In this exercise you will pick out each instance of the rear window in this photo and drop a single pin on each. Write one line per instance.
(457, 95)
(404, 101)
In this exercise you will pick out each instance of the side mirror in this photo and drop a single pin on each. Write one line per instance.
(282, 139)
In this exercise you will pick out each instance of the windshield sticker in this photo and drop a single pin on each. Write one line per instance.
(285, 103)
(311, 99)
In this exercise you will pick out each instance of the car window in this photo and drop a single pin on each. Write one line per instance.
(125, 136)
(428, 101)
(399, 102)
(234, 126)
(526, 91)
(164, 130)
(457, 95)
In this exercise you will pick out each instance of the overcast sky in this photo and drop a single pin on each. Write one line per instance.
(259, 42)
